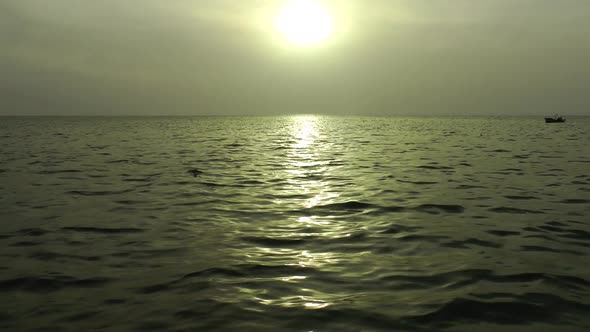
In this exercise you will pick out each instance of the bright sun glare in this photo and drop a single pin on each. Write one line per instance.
(305, 22)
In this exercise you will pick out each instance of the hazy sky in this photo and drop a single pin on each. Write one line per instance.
(197, 57)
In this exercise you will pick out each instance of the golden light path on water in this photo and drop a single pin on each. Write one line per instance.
(306, 166)
(307, 163)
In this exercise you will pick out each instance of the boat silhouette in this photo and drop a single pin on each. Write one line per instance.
(555, 119)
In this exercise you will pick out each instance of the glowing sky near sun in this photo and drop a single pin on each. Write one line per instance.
(294, 56)
(305, 22)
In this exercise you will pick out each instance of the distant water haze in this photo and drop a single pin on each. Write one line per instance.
(295, 223)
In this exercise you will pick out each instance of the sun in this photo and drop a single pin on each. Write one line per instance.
(305, 22)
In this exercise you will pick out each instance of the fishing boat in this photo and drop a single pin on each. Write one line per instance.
(555, 119)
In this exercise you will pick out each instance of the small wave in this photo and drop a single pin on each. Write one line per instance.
(469, 186)
(215, 272)
(271, 242)
(395, 229)
(251, 182)
(239, 271)
(48, 256)
(129, 202)
(512, 170)
(547, 249)
(500, 312)
(99, 193)
(556, 223)
(32, 231)
(310, 177)
(354, 205)
(81, 316)
(25, 244)
(504, 308)
(435, 208)
(114, 301)
(137, 180)
(59, 171)
(145, 163)
(451, 279)
(199, 203)
(287, 196)
(97, 147)
(345, 206)
(575, 201)
(418, 182)
(502, 233)
(521, 197)
(577, 234)
(435, 167)
(504, 209)
(213, 184)
(521, 156)
(422, 238)
(252, 271)
(103, 230)
(461, 278)
(472, 241)
(553, 229)
(48, 284)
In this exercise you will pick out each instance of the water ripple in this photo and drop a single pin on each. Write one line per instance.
(301, 223)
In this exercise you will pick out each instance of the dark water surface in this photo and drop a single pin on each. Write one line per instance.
(297, 224)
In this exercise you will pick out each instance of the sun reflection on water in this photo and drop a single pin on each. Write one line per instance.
(300, 295)
(304, 131)
(312, 221)
(307, 302)
(308, 162)
(313, 259)
(308, 176)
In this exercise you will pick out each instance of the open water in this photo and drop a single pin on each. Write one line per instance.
(302, 223)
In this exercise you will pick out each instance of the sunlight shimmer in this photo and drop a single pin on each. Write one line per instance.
(307, 159)
(305, 22)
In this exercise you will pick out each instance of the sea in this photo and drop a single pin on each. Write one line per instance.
(294, 223)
